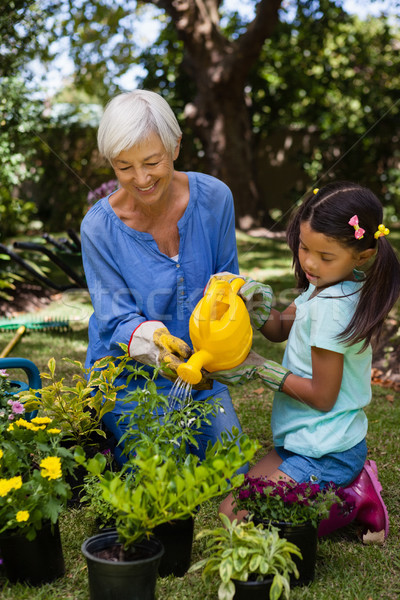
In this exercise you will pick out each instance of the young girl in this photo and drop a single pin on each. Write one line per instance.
(318, 422)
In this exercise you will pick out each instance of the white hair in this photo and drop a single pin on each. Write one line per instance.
(130, 117)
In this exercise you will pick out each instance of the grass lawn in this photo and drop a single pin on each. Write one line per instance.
(346, 568)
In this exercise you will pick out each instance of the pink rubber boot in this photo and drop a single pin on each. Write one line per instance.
(369, 509)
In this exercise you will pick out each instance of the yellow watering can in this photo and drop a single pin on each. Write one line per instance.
(220, 331)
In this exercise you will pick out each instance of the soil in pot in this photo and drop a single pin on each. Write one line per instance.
(116, 553)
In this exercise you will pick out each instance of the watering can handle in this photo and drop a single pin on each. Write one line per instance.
(216, 288)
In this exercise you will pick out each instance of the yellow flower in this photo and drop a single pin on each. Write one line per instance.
(22, 515)
(41, 420)
(51, 467)
(28, 425)
(16, 482)
(22, 423)
(54, 430)
(6, 485)
(10, 427)
(1, 453)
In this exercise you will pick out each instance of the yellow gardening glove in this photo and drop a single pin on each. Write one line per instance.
(172, 350)
(152, 344)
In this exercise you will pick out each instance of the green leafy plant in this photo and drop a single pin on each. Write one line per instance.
(246, 552)
(288, 501)
(152, 422)
(33, 467)
(102, 512)
(158, 489)
(78, 409)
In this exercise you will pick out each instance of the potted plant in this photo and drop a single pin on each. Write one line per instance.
(295, 509)
(154, 423)
(157, 489)
(33, 492)
(251, 562)
(77, 409)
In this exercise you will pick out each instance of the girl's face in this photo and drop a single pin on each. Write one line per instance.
(145, 171)
(323, 260)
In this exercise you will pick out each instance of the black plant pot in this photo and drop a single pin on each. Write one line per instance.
(132, 579)
(35, 562)
(305, 537)
(177, 539)
(252, 590)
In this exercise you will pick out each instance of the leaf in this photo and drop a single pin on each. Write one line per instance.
(276, 588)
(79, 455)
(254, 563)
(226, 591)
(96, 465)
(374, 537)
(225, 570)
(52, 366)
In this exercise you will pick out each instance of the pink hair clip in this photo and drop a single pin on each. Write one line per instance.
(359, 231)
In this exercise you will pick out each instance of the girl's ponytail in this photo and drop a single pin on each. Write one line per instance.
(379, 293)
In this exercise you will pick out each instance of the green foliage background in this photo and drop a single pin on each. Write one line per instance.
(324, 73)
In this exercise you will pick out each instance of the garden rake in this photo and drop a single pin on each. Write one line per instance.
(21, 324)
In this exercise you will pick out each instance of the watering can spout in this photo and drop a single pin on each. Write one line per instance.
(220, 331)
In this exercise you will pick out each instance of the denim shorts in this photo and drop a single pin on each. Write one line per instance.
(340, 467)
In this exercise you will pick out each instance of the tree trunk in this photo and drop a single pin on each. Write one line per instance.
(219, 114)
(221, 120)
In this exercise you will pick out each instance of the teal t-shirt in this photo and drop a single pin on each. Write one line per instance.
(301, 428)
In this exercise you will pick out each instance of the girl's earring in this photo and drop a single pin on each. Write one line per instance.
(358, 275)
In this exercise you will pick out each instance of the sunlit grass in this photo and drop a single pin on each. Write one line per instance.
(346, 569)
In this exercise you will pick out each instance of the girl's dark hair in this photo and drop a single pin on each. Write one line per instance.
(329, 212)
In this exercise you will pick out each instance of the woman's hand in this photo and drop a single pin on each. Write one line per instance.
(152, 344)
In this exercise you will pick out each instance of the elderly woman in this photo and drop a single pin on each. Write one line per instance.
(150, 247)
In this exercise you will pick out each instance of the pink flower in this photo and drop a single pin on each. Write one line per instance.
(17, 408)
(3, 373)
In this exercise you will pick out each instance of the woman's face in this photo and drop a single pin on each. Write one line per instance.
(145, 171)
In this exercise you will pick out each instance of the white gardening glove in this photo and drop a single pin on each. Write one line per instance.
(256, 296)
(272, 374)
(152, 344)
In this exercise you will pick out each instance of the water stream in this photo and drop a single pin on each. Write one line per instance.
(180, 393)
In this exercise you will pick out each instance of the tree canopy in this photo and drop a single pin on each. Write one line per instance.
(234, 81)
